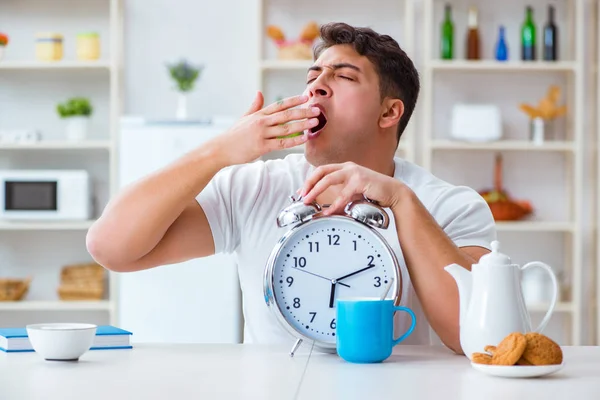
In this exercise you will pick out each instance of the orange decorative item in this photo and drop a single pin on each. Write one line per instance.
(3, 43)
(502, 206)
(547, 108)
(13, 289)
(296, 49)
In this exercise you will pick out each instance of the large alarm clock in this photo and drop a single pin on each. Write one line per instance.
(323, 258)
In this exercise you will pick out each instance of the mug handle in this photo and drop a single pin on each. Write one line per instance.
(412, 325)
(546, 268)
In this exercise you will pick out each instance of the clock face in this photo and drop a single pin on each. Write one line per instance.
(325, 260)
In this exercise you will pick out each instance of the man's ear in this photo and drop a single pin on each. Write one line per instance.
(391, 112)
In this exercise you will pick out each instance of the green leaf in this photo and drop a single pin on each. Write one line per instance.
(75, 106)
(184, 74)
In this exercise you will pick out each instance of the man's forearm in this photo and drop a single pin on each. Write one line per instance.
(427, 250)
(137, 218)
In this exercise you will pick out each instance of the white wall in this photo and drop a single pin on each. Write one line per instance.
(220, 34)
(223, 35)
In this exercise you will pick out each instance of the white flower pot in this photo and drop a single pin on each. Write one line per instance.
(1, 52)
(181, 106)
(77, 127)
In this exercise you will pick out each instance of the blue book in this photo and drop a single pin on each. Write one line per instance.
(14, 340)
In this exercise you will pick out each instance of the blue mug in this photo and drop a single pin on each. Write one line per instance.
(365, 329)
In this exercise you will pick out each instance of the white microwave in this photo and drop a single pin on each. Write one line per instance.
(45, 195)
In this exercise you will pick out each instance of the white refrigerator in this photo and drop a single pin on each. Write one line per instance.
(197, 301)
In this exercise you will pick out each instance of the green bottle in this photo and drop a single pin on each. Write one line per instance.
(528, 37)
(447, 39)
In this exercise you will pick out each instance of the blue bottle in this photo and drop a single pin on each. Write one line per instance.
(501, 46)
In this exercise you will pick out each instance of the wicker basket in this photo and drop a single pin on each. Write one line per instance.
(13, 289)
(81, 291)
(504, 207)
(82, 282)
(82, 272)
(509, 210)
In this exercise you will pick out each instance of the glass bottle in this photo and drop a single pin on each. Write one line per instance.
(473, 42)
(501, 46)
(550, 37)
(528, 36)
(447, 39)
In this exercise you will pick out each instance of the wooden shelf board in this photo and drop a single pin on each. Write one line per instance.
(512, 145)
(534, 226)
(58, 145)
(503, 66)
(300, 65)
(56, 305)
(53, 65)
(560, 307)
(44, 225)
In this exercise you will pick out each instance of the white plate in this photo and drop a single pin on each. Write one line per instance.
(518, 371)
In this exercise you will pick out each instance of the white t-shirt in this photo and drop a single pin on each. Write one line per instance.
(242, 203)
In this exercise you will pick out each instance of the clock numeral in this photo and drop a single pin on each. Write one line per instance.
(289, 280)
(316, 246)
(371, 259)
(334, 240)
(332, 324)
(354, 241)
(299, 262)
(297, 302)
(378, 281)
(314, 314)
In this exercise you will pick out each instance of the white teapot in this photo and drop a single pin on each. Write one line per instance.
(491, 300)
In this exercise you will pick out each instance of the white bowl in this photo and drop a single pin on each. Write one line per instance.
(61, 341)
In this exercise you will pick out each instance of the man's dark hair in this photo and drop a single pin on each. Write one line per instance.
(398, 77)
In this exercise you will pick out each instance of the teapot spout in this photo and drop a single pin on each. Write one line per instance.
(463, 279)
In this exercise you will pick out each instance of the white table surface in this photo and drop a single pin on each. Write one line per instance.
(262, 372)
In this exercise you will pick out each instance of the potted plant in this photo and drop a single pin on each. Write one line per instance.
(77, 112)
(185, 75)
(3, 43)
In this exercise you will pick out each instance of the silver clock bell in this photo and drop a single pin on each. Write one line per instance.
(366, 211)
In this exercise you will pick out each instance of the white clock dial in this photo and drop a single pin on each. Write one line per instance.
(327, 259)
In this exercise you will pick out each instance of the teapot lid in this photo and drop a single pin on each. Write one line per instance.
(495, 257)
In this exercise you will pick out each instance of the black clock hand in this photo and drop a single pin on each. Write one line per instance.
(354, 273)
(319, 276)
(332, 295)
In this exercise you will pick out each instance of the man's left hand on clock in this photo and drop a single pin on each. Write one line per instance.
(355, 181)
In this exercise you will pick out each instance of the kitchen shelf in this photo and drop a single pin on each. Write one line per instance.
(507, 66)
(534, 226)
(512, 145)
(53, 65)
(45, 225)
(57, 305)
(58, 145)
(446, 83)
(54, 81)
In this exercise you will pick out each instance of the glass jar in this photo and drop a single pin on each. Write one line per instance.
(88, 46)
(49, 46)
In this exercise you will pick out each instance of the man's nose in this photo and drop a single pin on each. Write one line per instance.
(319, 88)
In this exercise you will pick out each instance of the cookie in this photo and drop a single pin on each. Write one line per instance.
(523, 361)
(481, 358)
(490, 349)
(510, 349)
(541, 350)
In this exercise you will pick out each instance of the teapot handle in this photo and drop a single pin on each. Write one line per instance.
(547, 268)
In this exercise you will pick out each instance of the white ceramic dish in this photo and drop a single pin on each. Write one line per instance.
(61, 341)
(518, 371)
